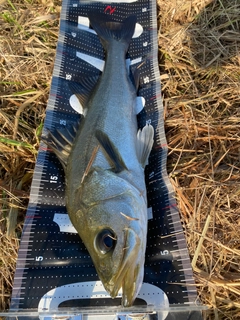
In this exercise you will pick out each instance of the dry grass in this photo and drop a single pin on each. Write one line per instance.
(199, 45)
(199, 58)
(28, 36)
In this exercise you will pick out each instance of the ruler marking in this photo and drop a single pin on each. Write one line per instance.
(186, 269)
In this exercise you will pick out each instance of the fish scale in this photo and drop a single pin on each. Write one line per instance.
(51, 255)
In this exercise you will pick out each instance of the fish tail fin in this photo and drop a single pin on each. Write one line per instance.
(111, 31)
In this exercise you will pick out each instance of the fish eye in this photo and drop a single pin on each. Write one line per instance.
(105, 241)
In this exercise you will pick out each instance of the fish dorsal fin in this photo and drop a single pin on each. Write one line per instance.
(114, 157)
(144, 143)
(83, 88)
(60, 141)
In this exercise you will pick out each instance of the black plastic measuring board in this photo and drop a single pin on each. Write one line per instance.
(54, 270)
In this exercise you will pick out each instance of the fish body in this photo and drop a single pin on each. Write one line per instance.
(104, 169)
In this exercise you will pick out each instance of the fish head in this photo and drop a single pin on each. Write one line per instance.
(114, 234)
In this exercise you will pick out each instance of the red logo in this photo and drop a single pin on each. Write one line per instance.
(110, 9)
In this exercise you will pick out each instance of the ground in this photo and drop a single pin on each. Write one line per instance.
(199, 61)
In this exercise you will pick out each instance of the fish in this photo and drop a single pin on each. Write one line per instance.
(104, 161)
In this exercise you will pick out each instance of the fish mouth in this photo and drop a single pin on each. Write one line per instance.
(130, 274)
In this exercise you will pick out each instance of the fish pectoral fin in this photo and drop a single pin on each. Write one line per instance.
(144, 143)
(60, 141)
(83, 88)
(114, 157)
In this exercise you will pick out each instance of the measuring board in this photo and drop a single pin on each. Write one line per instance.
(54, 270)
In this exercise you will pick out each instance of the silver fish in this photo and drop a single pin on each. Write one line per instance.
(104, 168)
